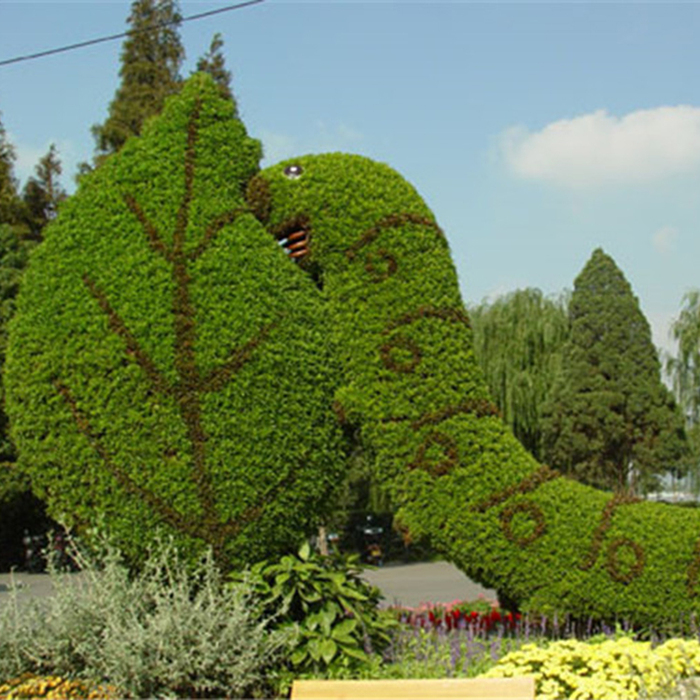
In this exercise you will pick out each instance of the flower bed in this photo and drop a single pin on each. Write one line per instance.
(480, 616)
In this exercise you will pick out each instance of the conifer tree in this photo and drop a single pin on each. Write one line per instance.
(43, 193)
(150, 71)
(611, 422)
(214, 63)
(10, 204)
(518, 339)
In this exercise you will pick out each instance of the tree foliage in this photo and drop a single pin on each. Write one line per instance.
(611, 422)
(214, 63)
(10, 203)
(150, 72)
(43, 193)
(518, 340)
(684, 369)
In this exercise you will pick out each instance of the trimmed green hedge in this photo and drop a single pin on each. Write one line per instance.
(412, 386)
(168, 367)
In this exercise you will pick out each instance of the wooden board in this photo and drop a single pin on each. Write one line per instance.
(520, 688)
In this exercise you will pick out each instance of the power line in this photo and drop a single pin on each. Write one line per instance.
(112, 37)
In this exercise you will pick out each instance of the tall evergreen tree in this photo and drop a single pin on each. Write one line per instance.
(214, 63)
(10, 203)
(518, 340)
(43, 193)
(150, 71)
(611, 422)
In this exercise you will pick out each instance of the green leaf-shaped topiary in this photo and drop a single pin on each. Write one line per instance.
(168, 365)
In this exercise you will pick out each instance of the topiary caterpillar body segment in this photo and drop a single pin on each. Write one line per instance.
(411, 385)
(168, 367)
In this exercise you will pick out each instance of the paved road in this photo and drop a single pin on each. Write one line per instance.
(29, 585)
(407, 584)
(433, 582)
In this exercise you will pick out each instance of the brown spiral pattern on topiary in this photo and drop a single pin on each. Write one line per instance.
(422, 312)
(380, 265)
(447, 444)
(479, 407)
(390, 222)
(402, 343)
(693, 572)
(530, 483)
(611, 506)
(612, 562)
(528, 508)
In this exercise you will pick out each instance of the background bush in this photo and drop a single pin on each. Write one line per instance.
(165, 632)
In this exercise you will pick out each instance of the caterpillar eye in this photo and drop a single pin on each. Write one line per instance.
(293, 171)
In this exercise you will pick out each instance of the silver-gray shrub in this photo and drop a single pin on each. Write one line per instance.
(168, 631)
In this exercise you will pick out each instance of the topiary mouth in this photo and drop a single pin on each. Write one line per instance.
(294, 236)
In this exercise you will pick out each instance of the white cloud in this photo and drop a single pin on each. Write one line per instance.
(601, 149)
(664, 239)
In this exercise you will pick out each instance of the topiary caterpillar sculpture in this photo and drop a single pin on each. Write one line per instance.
(411, 385)
(169, 366)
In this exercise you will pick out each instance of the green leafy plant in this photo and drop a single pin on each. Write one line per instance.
(333, 611)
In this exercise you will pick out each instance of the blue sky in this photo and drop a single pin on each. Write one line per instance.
(537, 132)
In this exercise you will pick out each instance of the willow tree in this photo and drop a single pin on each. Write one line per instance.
(684, 369)
(518, 340)
(611, 422)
